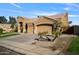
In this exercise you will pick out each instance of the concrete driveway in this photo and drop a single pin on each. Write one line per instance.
(22, 44)
(13, 41)
(22, 38)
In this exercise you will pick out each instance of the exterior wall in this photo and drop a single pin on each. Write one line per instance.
(65, 23)
(44, 28)
(18, 28)
(23, 20)
(42, 20)
(6, 27)
(41, 29)
(30, 28)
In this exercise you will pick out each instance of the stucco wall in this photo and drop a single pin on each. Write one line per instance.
(30, 29)
(65, 23)
(42, 20)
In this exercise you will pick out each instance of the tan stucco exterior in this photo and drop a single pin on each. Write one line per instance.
(42, 24)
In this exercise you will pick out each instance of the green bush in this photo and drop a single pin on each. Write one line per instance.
(56, 33)
(12, 26)
(74, 46)
(1, 30)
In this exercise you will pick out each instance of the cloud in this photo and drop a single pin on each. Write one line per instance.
(73, 5)
(66, 9)
(15, 11)
(73, 15)
(43, 13)
(16, 5)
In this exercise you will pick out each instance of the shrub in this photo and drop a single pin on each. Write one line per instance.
(1, 30)
(12, 26)
(56, 33)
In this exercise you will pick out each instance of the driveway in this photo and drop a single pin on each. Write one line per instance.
(22, 38)
(18, 43)
(21, 43)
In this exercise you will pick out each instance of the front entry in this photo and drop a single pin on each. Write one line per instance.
(21, 27)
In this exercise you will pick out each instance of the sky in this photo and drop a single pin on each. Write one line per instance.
(32, 10)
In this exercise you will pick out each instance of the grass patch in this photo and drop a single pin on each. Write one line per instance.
(7, 34)
(74, 46)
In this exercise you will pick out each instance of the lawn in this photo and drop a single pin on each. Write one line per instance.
(7, 34)
(74, 46)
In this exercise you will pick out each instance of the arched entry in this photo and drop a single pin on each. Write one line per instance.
(21, 26)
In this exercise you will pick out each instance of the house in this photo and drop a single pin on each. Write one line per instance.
(42, 23)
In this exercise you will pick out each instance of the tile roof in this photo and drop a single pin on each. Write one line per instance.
(56, 16)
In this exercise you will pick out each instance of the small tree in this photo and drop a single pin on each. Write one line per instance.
(57, 31)
(3, 19)
(12, 21)
(56, 24)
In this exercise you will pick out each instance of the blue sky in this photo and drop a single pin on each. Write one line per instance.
(32, 10)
